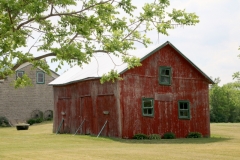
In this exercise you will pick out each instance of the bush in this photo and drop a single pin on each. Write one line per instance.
(140, 136)
(169, 135)
(194, 135)
(4, 122)
(33, 120)
(38, 120)
(154, 136)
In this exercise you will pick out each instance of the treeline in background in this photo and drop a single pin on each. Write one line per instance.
(225, 102)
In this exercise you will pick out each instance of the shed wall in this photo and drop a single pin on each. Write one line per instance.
(91, 102)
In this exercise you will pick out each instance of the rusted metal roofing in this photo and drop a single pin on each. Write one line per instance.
(103, 63)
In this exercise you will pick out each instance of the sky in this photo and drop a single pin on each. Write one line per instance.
(213, 43)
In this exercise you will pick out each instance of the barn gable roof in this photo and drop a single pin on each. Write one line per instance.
(102, 63)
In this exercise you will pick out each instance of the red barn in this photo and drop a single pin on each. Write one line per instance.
(168, 93)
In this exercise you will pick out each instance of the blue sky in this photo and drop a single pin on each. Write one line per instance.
(213, 43)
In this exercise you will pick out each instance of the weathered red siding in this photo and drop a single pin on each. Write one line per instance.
(88, 100)
(187, 84)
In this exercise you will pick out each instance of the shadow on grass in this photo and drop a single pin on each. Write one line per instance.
(213, 139)
(172, 141)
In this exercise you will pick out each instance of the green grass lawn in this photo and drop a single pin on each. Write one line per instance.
(40, 143)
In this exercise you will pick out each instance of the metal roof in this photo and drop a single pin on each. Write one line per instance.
(103, 63)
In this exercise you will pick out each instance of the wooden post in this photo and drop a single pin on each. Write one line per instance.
(102, 129)
(60, 126)
(79, 127)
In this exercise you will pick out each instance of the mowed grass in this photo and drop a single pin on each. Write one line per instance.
(40, 143)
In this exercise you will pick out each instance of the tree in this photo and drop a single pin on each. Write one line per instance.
(72, 30)
(225, 102)
(237, 74)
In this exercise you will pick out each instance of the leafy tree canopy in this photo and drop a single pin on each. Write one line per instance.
(72, 30)
(225, 102)
(237, 74)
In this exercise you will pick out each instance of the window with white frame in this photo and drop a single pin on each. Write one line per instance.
(40, 77)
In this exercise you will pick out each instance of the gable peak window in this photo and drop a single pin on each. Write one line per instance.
(19, 74)
(40, 77)
(148, 107)
(165, 74)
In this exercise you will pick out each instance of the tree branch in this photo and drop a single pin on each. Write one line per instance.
(10, 17)
(35, 58)
(73, 39)
(60, 14)
(33, 28)
(135, 40)
(51, 12)
(44, 56)
(34, 43)
(132, 31)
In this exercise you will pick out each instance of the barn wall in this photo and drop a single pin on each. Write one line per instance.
(91, 102)
(187, 84)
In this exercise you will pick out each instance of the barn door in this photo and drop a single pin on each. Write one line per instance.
(106, 111)
(64, 112)
(86, 114)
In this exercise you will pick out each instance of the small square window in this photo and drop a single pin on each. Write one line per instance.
(165, 75)
(19, 74)
(40, 77)
(183, 110)
(148, 106)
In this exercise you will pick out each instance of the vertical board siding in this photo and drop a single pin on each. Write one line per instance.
(187, 84)
(90, 101)
(120, 103)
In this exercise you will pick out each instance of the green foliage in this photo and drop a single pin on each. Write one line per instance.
(38, 120)
(194, 135)
(236, 75)
(140, 136)
(111, 76)
(225, 102)
(169, 135)
(71, 31)
(36, 117)
(154, 136)
(132, 61)
(22, 82)
(31, 121)
(34, 120)
(4, 122)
